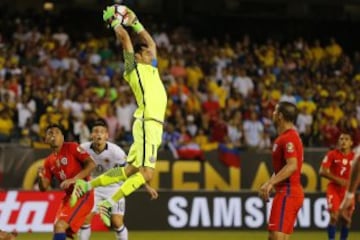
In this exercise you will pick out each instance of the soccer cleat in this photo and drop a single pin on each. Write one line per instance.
(104, 209)
(80, 188)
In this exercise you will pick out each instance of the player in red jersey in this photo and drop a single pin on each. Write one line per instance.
(287, 159)
(336, 167)
(67, 163)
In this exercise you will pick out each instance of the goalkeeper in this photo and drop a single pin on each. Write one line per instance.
(142, 75)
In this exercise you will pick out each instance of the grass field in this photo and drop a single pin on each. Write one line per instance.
(193, 235)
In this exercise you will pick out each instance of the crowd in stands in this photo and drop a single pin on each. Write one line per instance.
(221, 91)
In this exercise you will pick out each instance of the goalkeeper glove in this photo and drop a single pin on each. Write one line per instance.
(133, 21)
(109, 17)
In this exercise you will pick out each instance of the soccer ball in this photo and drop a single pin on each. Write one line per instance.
(121, 13)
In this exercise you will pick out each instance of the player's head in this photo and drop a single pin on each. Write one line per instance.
(54, 135)
(99, 132)
(143, 53)
(285, 112)
(345, 141)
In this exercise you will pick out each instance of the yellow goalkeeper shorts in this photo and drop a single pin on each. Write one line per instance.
(147, 139)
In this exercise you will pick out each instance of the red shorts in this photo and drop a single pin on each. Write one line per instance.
(75, 216)
(284, 211)
(334, 197)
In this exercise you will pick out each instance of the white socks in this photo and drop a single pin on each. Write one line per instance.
(85, 232)
(121, 233)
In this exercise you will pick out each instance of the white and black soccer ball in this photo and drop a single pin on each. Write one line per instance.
(121, 13)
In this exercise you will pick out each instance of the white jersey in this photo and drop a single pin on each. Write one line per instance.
(111, 156)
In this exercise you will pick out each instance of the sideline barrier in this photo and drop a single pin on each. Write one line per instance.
(34, 211)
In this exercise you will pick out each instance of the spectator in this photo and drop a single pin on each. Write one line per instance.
(253, 131)
(303, 123)
(242, 83)
(6, 125)
(334, 111)
(330, 132)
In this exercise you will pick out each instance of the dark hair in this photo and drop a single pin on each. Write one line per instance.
(99, 122)
(58, 126)
(139, 46)
(348, 132)
(288, 110)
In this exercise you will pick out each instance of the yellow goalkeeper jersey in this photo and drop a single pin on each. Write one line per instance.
(149, 91)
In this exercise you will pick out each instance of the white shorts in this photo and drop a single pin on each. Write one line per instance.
(103, 193)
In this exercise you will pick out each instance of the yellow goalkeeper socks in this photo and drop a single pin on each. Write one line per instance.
(129, 186)
(113, 175)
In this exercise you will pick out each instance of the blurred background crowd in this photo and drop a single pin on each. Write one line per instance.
(221, 90)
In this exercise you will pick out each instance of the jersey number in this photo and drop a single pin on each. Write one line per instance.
(343, 169)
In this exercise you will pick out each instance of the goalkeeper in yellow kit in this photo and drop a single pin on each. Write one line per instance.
(142, 75)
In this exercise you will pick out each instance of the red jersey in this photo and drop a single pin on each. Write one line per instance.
(66, 164)
(288, 145)
(339, 164)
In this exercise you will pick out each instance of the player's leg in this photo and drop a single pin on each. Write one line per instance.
(331, 229)
(283, 215)
(333, 202)
(60, 228)
(142, 155)
(273, 235)
(85, 229)
(117, 220)
(111, 176)
(147, 159)
(346, 222)
(146, 155)
(76, 216)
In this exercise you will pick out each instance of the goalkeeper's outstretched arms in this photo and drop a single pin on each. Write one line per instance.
(120, 31)
(145, 36)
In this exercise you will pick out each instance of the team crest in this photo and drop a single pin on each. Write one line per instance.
(64, 161)
(344, 161)
(290, 147)
(152, 159)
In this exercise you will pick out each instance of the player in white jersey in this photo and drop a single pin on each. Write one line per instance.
(106, 155)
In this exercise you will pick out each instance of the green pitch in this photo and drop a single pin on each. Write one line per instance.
(193, 235)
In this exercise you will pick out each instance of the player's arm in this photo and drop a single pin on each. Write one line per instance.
(355, 177)
(122, 35)
(289, 168)
(88, 166)
(147, 38)
(144, 35)
(44, 178)
(325, 172)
